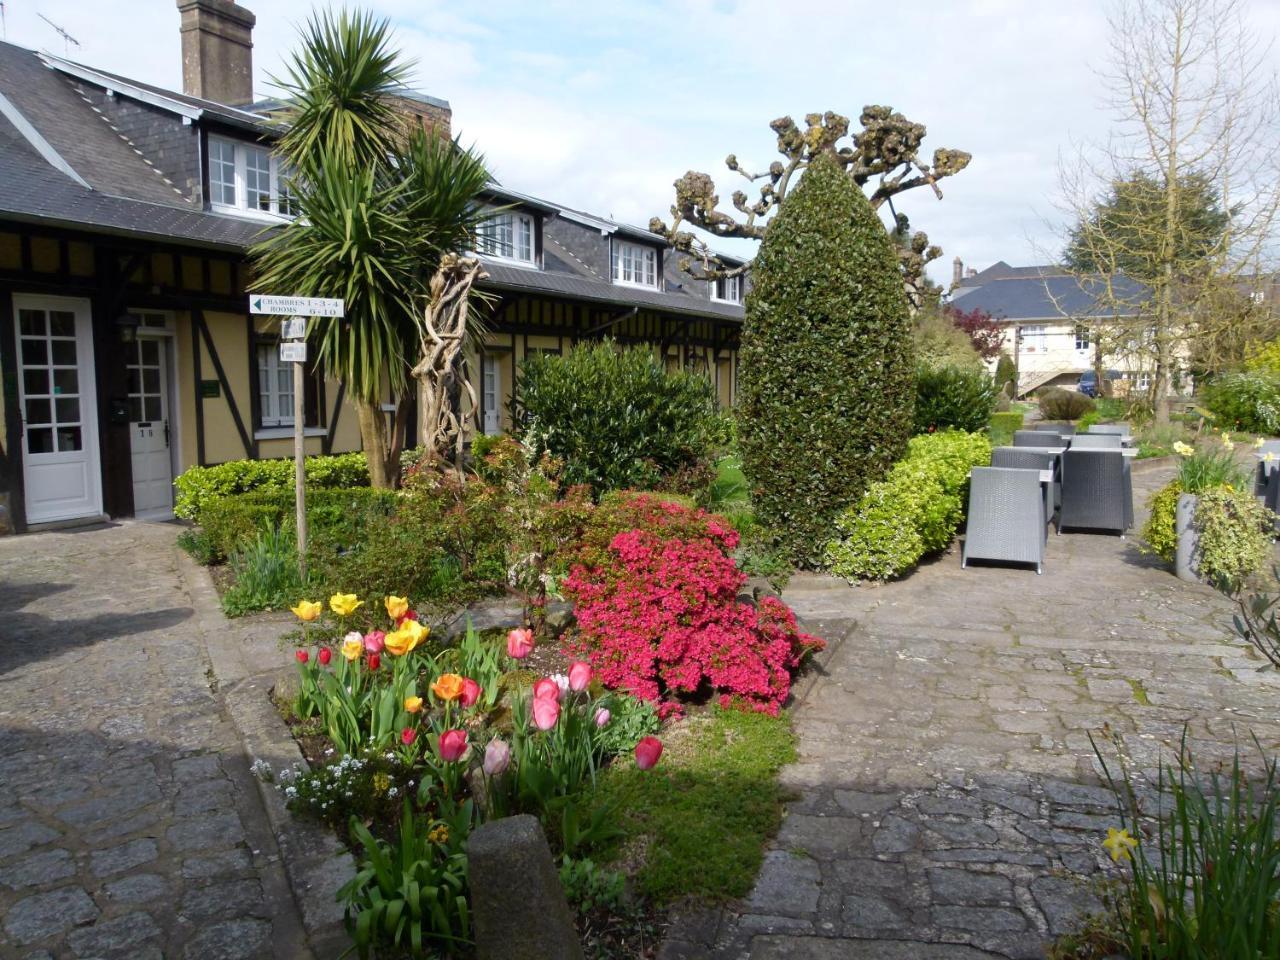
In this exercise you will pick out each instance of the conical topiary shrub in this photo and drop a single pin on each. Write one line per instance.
(826, 379)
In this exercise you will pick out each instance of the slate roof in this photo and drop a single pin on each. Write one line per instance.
(579, 287)
(1056, 297)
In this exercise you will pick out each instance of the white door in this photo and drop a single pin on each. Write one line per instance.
(148, 390)
(492, 400)
(59, 409)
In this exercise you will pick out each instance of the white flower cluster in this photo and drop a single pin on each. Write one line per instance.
(262, 770)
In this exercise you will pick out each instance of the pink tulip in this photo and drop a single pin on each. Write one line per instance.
(408, 735)
(470, 692)
(302, 656)
(325, 656)
(497, 757)
(520, 642)
(546, 711)
(648, 750)
(579, 676)
(602, 717)
(453, 744)
(546, 689)
(374, 641)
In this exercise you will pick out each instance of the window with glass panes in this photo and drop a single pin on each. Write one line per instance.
(48, 354)
(257, 178)
(728, 289)
(275, 387)
(1082, 337)
(246, 176)
(222, 172)
(508, 235)
(635, 264)
(142, 379)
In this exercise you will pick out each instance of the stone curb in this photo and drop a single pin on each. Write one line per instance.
(1153, 463)
(315, 863)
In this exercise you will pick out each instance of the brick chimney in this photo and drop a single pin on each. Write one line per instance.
(217, 51)
(957, 271)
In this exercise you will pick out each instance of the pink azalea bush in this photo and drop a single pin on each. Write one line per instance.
(656, 597)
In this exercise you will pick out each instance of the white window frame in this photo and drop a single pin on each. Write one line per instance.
(270, 400)
(1082, 337)
(519, 221)
(1035, 337)
(628, 258)
(733, 288)
(240, 152)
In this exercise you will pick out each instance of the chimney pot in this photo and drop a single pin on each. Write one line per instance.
(217, 51)
(957, 271)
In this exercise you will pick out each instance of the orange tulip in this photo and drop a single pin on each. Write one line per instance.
(448, 686)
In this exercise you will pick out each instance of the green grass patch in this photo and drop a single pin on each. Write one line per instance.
(698, 822)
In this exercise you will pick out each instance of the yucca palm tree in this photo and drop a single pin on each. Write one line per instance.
(381, 200)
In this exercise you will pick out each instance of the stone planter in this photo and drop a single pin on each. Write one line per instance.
(1186, 563)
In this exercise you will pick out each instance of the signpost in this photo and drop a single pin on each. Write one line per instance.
(293, 349)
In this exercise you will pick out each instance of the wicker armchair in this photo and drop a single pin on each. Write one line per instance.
(1034, 438)
(1013, 458)
(1066, 429)
(1097, 490)
(1119, 429)
(1006, 517)
(1097, 441)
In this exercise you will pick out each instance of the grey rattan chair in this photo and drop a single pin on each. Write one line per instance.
(1097, 491)
(1013, 458)
(1097, 441)
(1006, 517)
(1033, 438)
(1052, 427)
(1267, 476)
(1119, 429)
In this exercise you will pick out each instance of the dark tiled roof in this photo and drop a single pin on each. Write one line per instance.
(32, 190)
(1054, 297)
(578, 287)
(79, 135)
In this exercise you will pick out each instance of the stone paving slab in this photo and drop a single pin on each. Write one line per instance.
(947, 797)
(130, 825)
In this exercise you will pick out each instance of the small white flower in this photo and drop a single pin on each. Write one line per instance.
(393, 792)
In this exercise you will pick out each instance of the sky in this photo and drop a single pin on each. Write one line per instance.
(602, 105)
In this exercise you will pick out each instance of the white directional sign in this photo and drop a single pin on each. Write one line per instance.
(293, 351)
(295, 306)
(295, 328)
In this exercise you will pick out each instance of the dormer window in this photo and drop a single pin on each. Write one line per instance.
(727, 289)
(248, 178)
(634, 264)
(507, 236)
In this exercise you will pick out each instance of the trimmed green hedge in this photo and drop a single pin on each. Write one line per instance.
(914, 511)
(232, 522)
(201, 486)
(1002, 427)
(826, 376)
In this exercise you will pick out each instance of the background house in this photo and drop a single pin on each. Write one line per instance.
(126, 349)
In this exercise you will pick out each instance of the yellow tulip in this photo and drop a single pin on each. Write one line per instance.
(352, 647)
(448, 686)
(397, 607)
(344, 604)
(413, 704)
(403, 640)
(1119, 843)
(307, 610)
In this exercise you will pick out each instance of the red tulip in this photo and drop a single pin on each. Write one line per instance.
(520, 642)
(470, 692)
(579, 676)
(407, 615)
(546, 689)
(302, 656)
(453, 744)
(648, 750)
(375, 661)
(546, 711)
(408, 735)
(325, 655)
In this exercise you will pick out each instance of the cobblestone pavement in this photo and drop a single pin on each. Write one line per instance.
(129, 823)
(946, 788)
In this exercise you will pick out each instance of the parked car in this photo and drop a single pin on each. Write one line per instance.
(1088, 382)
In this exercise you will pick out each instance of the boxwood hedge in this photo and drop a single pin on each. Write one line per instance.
(826, 375)
(200, 486)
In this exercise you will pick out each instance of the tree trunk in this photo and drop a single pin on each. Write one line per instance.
(373, 435)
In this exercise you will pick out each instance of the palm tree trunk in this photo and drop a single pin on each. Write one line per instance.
(373, 436)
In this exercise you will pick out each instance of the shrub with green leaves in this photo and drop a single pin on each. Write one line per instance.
(1059, 404)
(953, 398)
(1006, 374)
(615, 417)
(826, 368)
(1245, 401)
(1235, 537)
(1003, 425)
(1160, 532)
(232, 522)
(199, 486)
(912, 512)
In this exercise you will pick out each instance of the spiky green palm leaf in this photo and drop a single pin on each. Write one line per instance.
(338, 90)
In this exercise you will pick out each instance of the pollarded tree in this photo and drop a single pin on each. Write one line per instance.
(826, 382)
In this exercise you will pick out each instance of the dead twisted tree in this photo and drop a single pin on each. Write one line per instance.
(448, 399)
(885, 154)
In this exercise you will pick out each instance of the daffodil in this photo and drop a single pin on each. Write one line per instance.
(1226, 438)
(413, 704)
(1268, 457)
(344, 604)
(396, 606)
(1183, 449)
(308, 610)
(1258, 443)
(1119, 844)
